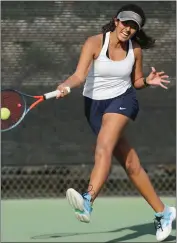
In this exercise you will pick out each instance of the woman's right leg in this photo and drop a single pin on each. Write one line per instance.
(110, 132)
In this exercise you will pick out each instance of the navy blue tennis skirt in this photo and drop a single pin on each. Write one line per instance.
(125, 104)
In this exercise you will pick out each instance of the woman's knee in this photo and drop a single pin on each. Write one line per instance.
(132, 164)
(127, 157)
(109, 134)
(103, 150)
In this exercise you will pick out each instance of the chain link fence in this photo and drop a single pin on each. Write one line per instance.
(53, 181)
(50, 151)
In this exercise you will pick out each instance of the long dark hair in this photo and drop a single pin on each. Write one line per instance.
(140, 36)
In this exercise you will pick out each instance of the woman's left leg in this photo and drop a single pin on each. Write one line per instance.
(128, 158)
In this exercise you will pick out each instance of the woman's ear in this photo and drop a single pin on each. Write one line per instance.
(116, 22)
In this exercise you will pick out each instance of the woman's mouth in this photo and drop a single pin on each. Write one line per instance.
(124, 35)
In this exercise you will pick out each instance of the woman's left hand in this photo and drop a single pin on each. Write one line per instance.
(157, 79)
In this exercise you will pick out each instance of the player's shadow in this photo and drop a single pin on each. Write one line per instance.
(138, 231)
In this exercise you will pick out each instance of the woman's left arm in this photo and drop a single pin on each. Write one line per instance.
(154, 79)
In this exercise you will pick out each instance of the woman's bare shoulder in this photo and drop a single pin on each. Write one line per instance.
(94, 43)
(137, 48)
(95, 40)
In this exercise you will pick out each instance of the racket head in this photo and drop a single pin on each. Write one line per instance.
(15, 102)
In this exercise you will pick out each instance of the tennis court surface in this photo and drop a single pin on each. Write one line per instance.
(52, 220)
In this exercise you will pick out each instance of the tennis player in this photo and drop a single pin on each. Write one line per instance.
(111, 63)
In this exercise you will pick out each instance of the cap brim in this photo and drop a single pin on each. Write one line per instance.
(130, 15)
(130, 19)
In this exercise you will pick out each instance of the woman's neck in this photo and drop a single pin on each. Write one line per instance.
(115, 42)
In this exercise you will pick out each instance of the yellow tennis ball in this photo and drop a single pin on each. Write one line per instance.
(5, 113)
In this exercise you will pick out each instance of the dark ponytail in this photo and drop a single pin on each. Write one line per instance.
(140, 36)
(143, 40)
(109, 27)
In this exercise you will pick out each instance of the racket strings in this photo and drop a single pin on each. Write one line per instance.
(14, 102)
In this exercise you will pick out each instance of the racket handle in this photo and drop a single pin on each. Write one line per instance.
(53, 94)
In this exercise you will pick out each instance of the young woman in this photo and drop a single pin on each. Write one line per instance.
(111, 63)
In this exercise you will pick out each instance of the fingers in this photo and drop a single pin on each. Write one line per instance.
(163, 86)
(60, 95)
(165, 81)
(164, 76)
(153, 70)
(63, 91)
(161, 73)
(159, 78)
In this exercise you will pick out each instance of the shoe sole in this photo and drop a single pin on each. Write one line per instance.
(77, 203)
(168, 232)
(174, 213)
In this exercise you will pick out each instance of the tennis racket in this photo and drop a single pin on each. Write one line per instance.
(16, 102)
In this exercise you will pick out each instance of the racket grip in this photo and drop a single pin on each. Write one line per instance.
(53, 94)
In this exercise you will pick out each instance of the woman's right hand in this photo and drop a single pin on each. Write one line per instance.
(64, 90)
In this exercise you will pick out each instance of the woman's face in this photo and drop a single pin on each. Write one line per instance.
(125, 30)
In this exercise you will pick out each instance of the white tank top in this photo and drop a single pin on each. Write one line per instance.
(107, 78)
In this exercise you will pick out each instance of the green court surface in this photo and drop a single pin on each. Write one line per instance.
(52, 220)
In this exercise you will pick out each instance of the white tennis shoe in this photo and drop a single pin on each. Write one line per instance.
(82, 207)
(163, 223)
(80, 203)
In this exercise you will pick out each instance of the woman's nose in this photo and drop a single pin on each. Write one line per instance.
(128, 28)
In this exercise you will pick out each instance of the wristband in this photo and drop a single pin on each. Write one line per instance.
(145, 83)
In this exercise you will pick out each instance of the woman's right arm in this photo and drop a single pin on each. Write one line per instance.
(85, 60)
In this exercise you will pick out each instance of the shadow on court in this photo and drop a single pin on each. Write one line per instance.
(139, 230)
